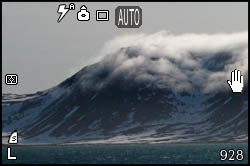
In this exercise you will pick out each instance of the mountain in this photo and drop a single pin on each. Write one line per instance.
(97, 106)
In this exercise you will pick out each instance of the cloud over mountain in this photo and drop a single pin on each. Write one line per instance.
(132, 95)
(179, 62)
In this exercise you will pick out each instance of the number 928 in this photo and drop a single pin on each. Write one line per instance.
(231, 155)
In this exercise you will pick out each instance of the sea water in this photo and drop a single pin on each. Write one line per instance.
(125, 154)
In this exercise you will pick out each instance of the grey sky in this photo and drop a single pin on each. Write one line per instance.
(43, 52)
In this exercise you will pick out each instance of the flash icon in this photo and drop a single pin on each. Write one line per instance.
(62, 10)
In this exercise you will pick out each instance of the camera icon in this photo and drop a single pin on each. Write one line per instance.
(11, 79)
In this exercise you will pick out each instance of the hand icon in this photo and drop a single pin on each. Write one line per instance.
(236, 82)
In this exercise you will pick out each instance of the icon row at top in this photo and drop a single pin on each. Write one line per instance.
(83, 14)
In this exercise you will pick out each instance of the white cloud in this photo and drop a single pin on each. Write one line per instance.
(178, 62)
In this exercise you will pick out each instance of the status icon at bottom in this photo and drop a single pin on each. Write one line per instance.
(9, 157)
(13, 139)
